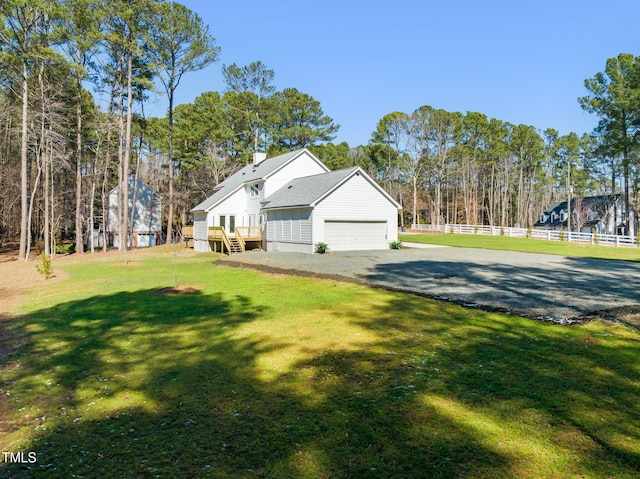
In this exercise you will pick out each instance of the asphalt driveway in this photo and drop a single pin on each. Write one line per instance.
(549, 287)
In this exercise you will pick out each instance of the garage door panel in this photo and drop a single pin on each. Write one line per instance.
(355, 235)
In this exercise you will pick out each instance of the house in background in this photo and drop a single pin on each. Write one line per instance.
(293, 201)
(603, 214)
(145, 215)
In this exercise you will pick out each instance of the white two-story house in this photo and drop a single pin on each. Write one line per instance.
(291, 202)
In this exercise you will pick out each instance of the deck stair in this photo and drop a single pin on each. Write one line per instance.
(235, 246)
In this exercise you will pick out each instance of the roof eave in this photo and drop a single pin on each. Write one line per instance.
(286, 207)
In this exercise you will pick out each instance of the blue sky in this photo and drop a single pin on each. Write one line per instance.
(517, 61)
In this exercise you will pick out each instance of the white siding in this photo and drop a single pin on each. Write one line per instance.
(112, 222)
(147, 212)
(200, 226)
(289, 230)
(200, 242)
(302, 166)
(147, 219)
(253, 202)
(356, 200)
(234, 205)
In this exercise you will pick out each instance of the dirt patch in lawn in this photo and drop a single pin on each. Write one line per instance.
(17, 277)
(176, 290)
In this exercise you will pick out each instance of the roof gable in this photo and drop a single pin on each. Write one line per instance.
(310, 190)
(252, 173)
(137, 185)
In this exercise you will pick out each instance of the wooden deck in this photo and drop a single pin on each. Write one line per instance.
(186, 234)
(225, 243)
(245, 237)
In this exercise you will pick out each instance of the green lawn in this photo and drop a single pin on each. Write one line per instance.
(253, 375)
(524, 244)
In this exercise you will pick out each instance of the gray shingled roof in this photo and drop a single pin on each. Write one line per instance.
(599, 204)
(305, 191)
(247, 174)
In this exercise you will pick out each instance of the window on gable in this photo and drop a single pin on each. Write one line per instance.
(254, 191)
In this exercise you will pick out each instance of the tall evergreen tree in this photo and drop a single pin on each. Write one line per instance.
(250, 88)
(180, 43)
(614, 95)
(80, 31)
(300, 121)
(24, 45)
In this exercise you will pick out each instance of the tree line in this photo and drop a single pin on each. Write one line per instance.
(61, 152)
(449, 167)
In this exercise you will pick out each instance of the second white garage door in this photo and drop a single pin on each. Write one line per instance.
(355, 235)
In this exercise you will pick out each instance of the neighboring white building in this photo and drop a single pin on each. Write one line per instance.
(298, 202)
(146, 227)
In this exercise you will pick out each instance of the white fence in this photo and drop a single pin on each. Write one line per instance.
(549, 235)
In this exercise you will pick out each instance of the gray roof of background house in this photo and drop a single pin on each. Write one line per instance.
(247, 174)
(598, 204)
(305, 191)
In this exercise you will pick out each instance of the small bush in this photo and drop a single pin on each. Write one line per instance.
(66, 248)
(44, 266)
(395, 245)
(321, 248)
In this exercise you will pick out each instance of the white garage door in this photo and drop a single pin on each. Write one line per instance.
(353, 235)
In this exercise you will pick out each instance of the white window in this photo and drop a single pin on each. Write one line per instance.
(254, 191)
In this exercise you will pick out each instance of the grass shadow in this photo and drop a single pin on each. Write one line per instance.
(137, 384)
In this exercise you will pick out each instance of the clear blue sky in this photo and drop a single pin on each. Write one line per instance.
(517, 61)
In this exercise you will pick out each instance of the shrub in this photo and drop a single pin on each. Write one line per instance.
(395, 245)
(321, 248)
(44, 267)
(66, 248)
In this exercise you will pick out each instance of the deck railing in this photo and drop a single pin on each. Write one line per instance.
(250, 233)
(549, 235)
(218, 233)
(240, 240)
(187, 233)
